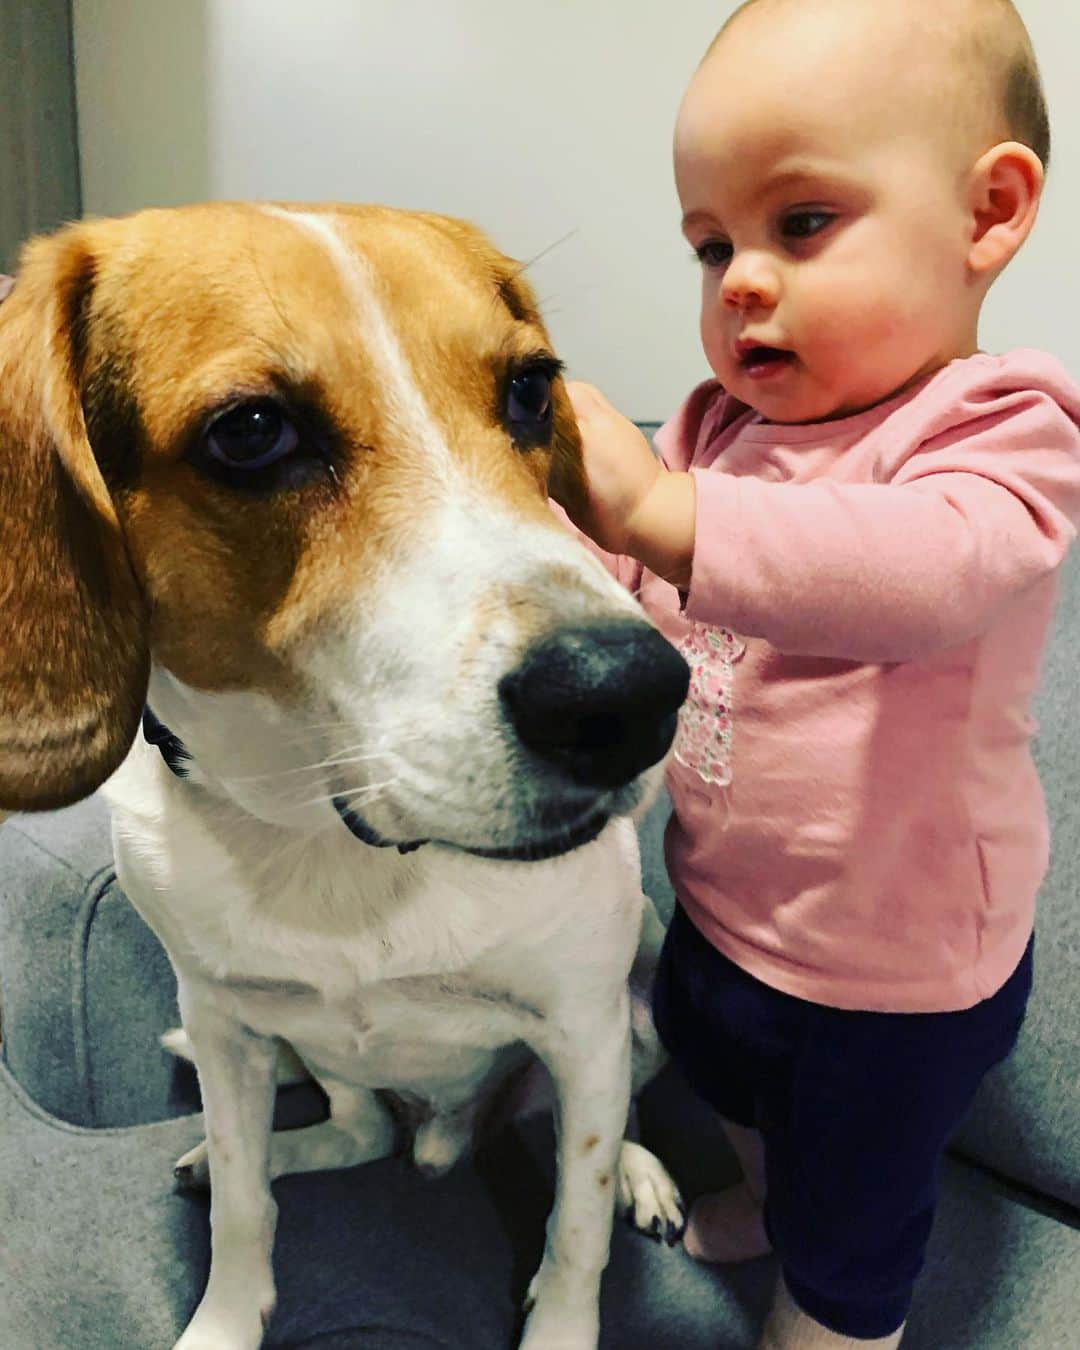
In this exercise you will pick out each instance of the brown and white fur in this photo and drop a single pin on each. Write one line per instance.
(341, 628)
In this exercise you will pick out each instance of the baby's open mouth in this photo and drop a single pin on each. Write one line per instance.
(762, 361)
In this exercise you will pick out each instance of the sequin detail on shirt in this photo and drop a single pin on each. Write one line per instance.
(704, 738)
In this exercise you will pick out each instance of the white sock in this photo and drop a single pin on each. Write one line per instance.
(789, 1328)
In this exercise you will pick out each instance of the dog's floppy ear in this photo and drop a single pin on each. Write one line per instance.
(74, 661)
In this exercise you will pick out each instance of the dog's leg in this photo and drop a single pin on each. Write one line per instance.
(648, 1054)
(588, 1055)
(236, 1075)
(290, 1068)
(647, 1195)
(360, 1129)
(441, 1141)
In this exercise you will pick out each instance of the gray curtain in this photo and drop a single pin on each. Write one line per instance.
(39, 163)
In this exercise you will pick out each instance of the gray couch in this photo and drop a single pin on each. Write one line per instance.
(99, 1251)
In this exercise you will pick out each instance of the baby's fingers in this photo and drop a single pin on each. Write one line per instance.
(584, 397)
(589, 404)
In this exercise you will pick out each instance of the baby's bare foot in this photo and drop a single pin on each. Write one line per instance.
(726, 1227)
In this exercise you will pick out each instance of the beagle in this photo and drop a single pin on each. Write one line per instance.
(273, 488)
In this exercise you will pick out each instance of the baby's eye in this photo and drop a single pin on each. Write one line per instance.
(713, 253)
(805, 224)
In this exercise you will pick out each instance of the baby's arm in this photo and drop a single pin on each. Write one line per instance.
(858, 571)
(633, 505)
(885, 572)
(869, 572)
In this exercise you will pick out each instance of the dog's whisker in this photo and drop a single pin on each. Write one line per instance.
(497, 295)
(545, 251)
(352, 796)
(336, 760)
(301, 795)
(368, 789)
(304, 734)
(338, 756)
(348, 758)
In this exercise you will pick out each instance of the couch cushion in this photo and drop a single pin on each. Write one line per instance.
(78, 837)
(378, 1257)
(1026, 1119)
(52, 868)
(85, 987)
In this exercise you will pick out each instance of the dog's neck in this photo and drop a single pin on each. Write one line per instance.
(179, 759)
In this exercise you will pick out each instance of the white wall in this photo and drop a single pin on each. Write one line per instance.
(533, 120)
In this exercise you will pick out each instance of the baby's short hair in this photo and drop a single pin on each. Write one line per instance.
(993, 39)
(1026, 112)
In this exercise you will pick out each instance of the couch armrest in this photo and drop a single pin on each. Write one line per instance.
(85, 987)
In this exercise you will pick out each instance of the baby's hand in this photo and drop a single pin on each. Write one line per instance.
(620, 470)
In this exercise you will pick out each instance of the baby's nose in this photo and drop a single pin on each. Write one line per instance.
(750, 280)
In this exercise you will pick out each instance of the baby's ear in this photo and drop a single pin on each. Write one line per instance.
(74, 660)
(1005, 191)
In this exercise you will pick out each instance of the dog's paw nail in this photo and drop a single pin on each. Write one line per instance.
(654, 1228)
(187, 1177)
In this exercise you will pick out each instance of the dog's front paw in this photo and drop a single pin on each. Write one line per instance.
(648, 1196)
(192, 1170)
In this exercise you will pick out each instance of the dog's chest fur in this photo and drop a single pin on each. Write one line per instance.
(381, 970)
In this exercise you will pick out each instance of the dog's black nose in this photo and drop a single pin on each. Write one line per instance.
(598, 701)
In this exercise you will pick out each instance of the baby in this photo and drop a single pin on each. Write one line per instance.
(852, 534)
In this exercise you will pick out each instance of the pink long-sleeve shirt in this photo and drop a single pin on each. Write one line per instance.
(892, 575)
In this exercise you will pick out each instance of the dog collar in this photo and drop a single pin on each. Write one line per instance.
(173, 750)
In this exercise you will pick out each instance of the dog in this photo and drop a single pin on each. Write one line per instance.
(273, 490)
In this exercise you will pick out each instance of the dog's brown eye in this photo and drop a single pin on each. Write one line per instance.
(252, 436)
(528, 400)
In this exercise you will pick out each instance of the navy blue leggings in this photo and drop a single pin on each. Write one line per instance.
(855, 1109)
